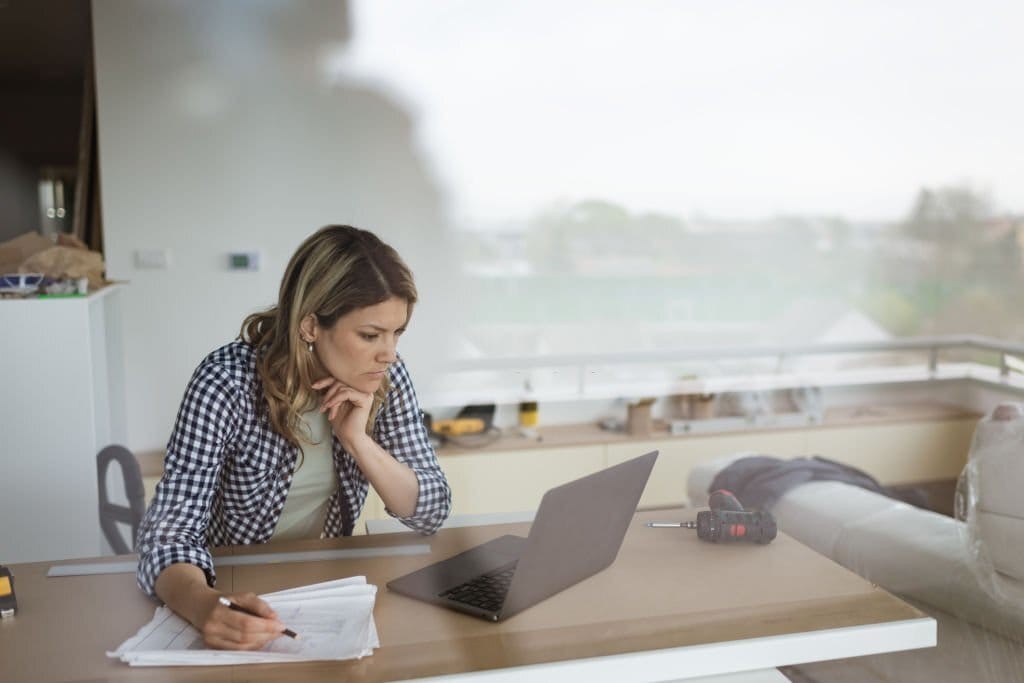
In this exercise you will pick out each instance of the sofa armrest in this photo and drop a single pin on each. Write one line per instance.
(909, 551)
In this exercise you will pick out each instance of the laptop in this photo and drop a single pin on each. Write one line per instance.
(576, 533)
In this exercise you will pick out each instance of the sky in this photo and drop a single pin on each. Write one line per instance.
(722, 108)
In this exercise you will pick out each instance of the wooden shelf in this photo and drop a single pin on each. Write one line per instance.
(585, 434)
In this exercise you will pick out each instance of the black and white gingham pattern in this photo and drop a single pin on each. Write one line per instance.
(227, 472)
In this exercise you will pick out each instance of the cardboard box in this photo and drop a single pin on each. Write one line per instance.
(66, 258)
(638, 418)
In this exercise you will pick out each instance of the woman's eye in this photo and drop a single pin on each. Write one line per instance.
(368, 337)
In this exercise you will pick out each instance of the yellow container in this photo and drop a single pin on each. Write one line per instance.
(528, 414)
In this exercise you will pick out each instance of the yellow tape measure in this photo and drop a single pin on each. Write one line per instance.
(458, 426)
(8, 603)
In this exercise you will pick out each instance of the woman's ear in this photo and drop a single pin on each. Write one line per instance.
(309, 328)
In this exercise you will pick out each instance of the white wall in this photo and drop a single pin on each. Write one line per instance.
(218, 131)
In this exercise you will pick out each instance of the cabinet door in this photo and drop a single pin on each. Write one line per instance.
(62, 401)
(667, 485)
(514, 481)
(899, 453)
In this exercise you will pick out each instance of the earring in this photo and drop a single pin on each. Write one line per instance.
(309, 347)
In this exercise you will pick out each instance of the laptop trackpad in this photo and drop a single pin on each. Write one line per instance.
(437, 578)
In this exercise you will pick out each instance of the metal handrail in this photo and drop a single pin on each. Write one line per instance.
(931, 344)
(588, 366)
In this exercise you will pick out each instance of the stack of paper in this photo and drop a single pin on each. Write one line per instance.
(334, 620)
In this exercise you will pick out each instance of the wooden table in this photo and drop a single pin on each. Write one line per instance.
(669, 607)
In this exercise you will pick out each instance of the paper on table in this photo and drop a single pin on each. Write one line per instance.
(334, 620)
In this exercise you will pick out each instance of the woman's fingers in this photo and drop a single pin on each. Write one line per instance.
(255, 604)
(346, 408)
(234, 630)
(334, 395)
(228, 637)
(340, 393)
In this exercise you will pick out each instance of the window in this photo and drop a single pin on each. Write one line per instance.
(658, 175)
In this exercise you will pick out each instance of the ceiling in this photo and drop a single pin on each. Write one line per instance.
(44, 44)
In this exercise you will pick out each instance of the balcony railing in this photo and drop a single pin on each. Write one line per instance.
(575, 377)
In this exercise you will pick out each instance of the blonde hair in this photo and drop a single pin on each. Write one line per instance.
(335, 271)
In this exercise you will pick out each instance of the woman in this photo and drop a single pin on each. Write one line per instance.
(281, 432)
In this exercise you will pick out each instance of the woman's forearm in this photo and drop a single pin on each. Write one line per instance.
(183, 588)
(394, 481)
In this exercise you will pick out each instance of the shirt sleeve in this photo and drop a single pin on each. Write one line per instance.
(174, 527)
(400, 431)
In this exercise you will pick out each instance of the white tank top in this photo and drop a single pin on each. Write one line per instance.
(305, 509)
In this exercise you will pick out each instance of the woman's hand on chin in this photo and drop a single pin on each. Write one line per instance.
(347, 409)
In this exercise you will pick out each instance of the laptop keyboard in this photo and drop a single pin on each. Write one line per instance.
(486, 591)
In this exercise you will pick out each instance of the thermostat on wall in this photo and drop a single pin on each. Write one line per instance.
(244, 260)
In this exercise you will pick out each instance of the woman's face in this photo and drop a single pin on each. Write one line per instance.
(360, 346)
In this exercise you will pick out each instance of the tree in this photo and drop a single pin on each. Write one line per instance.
(600, 229)
(967, 261)
(951, 216)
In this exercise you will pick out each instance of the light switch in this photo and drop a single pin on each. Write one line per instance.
(152, 259)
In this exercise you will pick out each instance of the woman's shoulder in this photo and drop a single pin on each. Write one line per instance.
(235, 361)
(401, 394)
(398, 375)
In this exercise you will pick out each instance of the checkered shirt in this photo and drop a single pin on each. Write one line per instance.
(227, 472)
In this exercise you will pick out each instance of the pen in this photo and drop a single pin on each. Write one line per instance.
(238, 608)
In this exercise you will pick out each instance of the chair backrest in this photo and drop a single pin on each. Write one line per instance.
(110, 513)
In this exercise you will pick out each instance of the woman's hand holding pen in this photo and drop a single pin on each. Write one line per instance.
(348, 409)
(249, 626)
(183, 588)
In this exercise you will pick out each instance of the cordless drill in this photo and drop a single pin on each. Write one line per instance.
(728, 522)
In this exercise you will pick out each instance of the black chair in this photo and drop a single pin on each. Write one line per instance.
(111, 514)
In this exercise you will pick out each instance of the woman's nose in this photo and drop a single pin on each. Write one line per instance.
(388, 353)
